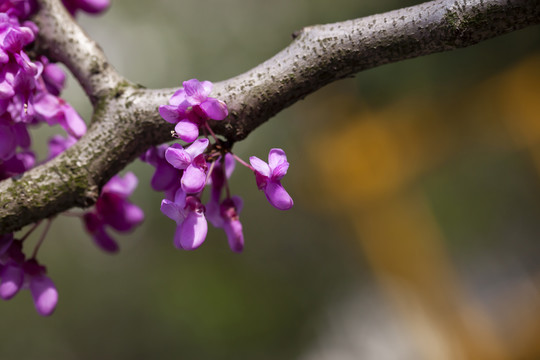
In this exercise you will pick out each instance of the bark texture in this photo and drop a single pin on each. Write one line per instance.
(126, 121)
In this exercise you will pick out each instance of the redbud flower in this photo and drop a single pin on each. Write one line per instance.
(17, 164)
(166, 176)
(230, 211)
(192, 161)
(188, 213)
(190, 107)
(42, 288)
(268, 178)
(16, 273)
(113, 209)
(12, 276)
(53, 76)
(55, 110)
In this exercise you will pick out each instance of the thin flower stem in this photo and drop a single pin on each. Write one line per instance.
(212, 165)
(207, 127)
(243, 162)
(30, 231)
(38, 245)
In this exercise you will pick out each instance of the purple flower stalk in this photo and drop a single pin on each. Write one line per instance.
(191, 107)
(225, 214)
(268, 178)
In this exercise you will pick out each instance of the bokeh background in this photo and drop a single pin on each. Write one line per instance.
(416, 226)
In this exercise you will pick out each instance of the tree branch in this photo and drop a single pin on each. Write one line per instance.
(62, 40)
(126, 121)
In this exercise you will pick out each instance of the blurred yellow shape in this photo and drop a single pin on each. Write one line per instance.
(402, 243)
(369, 173)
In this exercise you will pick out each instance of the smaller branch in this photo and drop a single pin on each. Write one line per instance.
(63, 40)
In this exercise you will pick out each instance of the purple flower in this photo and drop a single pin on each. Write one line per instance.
(190, 107)
(13, 37)
(17, 273)
(230, 214)
(225, 214)
(166, 178)
(89, 6)
(53, 76)
(268, 178)
(96, 226)
(188, 213)
(42, 288)
(113, 209)
(55, 110)
(12, 276)
(223, 170)
(17, 164)
(192, 161)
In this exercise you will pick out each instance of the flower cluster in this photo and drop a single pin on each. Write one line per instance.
(113, 210)
(29, 95)
(29, 91)
(182, 173)
(17, 272)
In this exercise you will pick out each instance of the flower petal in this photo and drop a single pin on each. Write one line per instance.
(12, 278)
(122, 186)
(44, 294)
(279, 171)
(172, 211)
(48, 108)
(214, 109)
(197, 89)
(187, 130)
(230, 163)
(276, 157)
(165, 177)
(72, 122)
(278, 196)
(235, 235)
(178, 157)
(260, 166)
(192, 232)
(193, 180)
(104, 241)
(7, 142)
(170, 113)
(213, 212)
(93, 6)
(197, 148)
(238, 204)
(178, 97)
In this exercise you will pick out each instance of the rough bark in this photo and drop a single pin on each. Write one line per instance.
(126, 122)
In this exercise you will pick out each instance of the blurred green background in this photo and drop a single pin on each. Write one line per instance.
(414, 233)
